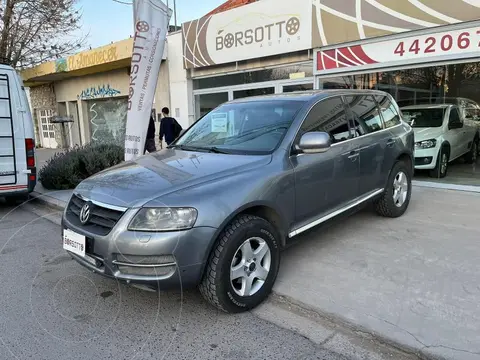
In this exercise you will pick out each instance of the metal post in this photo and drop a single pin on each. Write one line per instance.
(175, 13)
(168, 7)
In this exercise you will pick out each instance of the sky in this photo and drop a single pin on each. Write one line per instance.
(106, 20)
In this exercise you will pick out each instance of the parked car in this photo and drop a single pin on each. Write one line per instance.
(441, 136)
(17, 138)
(215, 208)
(469, 109)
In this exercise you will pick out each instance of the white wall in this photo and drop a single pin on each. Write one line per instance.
(181, 91)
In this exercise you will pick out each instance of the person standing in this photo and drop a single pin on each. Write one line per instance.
(150, 140)
(169, 127)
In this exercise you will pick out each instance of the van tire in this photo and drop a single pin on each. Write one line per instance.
(16, 199)
(386, 205)
(217, 286)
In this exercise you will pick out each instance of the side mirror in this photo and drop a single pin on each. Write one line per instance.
(314, 142)
(455, 125)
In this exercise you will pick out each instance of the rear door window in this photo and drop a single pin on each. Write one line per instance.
(389, 112)
(366, 113)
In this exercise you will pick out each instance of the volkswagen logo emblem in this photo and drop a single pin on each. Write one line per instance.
(85, 213)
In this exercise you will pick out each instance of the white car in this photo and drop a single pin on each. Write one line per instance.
(441, 136)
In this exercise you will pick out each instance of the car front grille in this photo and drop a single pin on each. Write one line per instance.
(102, 219)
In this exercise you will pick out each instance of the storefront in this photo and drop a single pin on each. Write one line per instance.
(90, 89)
(252, 50)
(424, 71)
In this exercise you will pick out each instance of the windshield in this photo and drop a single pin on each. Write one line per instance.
(419, 118)
(248, 127)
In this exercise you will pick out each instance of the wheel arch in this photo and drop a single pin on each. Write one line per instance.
(446, 144)
(258, 208)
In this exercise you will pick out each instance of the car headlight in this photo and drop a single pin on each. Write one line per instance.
(426, 144)
(163, 219)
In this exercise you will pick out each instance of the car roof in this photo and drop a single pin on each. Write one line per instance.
(5, 67)
(306, 95)
(426, 106)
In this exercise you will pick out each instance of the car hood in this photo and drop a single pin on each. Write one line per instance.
(422, 134)
(134, 183)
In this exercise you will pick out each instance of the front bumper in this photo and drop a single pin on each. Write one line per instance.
(426, 159)
(117, 254)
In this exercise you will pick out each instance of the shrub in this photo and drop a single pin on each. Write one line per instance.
(67, 169)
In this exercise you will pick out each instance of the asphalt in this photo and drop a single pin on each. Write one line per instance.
(52, 308)
(413, 280)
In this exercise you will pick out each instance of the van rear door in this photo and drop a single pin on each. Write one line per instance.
(14, 167)
(8, 166)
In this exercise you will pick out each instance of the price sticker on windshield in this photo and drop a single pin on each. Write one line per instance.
(219, 122)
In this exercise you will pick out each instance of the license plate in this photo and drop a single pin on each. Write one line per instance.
(74, 242)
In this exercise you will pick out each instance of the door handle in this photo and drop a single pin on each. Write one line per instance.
(390, 142)
(353, 155)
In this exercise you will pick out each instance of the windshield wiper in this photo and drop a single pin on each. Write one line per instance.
(186, 147)
(212, 149)
(216, 150)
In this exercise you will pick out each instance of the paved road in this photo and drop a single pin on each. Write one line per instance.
(51, 308)
(414, 280)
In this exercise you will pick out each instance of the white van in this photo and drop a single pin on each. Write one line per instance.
(18, 173)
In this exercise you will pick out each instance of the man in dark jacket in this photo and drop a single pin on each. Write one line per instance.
(169, 127)
(150, 140)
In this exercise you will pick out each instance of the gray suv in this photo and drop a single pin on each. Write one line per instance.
(215, 208)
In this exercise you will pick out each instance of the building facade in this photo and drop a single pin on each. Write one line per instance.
(90, 89)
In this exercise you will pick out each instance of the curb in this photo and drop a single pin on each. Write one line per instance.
(338, 320)
(49, 201)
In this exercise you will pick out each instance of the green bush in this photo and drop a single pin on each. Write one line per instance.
(67, 169)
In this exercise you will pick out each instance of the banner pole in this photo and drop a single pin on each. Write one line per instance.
(151, 19)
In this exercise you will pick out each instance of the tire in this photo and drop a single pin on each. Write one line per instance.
(440, 172)
(217, 286)
(399, 183)
(16, 199)
(471, 156)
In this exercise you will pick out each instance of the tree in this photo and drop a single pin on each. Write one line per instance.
(35, 31)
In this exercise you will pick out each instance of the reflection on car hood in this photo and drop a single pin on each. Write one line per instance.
(427, 133)
(132, 184)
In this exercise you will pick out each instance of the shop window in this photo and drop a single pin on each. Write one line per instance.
(207, 102)
(366, 113)
(253, 92)
(389, 113)
(329, 116)
(251, 77)
(300, 87)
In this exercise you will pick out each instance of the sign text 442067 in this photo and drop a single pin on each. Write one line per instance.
(438, 44)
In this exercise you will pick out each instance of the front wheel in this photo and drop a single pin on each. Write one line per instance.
(396, 197)
(243, 265)
(440, 170)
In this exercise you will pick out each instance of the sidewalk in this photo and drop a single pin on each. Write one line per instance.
(412, 281)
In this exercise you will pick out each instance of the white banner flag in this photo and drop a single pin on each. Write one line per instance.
(151, 25)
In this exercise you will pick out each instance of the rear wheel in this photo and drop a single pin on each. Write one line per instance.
(396, 197)
(441, 168)
(242, 266)
(471, 156)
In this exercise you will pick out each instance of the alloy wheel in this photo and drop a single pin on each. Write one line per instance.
(400, 189)
(250, 266)
(443, 164)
